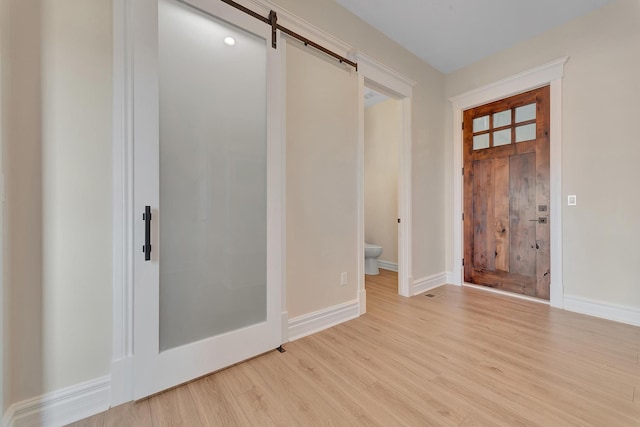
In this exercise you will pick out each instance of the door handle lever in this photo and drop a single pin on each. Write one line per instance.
(146, 217)
(541, 220)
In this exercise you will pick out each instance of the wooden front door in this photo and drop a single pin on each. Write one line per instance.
(506, 194)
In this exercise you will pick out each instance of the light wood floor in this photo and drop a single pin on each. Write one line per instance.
(462, 358)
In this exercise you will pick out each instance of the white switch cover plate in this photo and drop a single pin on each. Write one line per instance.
(343, 278)
(571, 200)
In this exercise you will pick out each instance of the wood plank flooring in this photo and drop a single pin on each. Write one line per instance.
(461, 358)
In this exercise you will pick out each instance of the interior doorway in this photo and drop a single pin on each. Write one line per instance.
(386, 81)
(382, 139)
(389, 83)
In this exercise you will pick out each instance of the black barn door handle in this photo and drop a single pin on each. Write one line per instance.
(146, 216)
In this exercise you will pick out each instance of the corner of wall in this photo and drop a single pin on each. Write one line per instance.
(310, 323)
(427, 283)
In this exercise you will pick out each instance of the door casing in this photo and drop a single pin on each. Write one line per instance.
(547, 74)
(399, 87)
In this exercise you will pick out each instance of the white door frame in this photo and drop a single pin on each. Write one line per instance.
(2, 197)
(547, 74)
(372, 73)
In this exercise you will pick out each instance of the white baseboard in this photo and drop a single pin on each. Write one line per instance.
(317, 321)
(63, 406)
(618, 313)
(388, 265)
(427, 283)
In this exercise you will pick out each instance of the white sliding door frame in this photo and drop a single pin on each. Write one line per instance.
(2, 228)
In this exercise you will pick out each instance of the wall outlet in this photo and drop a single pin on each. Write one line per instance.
(343, 278)
(572, 200)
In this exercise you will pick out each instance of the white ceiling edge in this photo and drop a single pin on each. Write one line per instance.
(452, 34)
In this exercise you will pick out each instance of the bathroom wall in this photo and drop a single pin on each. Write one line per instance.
(600, 147)
(382, 136)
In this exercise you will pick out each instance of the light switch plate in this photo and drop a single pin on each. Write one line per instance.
(572, 200)
(343, 278)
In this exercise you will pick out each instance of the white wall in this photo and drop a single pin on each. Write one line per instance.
(427, 121)
(58, 262)
(382, 137)
(599, 140)
(321, 181)
(23, 256)
(58, 175)
(4, 307)
(76, 145)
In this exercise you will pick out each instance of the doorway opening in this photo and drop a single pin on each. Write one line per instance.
(382, 139)
(388, 82)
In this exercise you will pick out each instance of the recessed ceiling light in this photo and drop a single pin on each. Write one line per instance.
(229, 41)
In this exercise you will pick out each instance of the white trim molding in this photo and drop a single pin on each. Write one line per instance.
(449, 277)
(122, 366)
(615, 312)
(284, 316)
(395, 85)
(381, 75)
(388, 265)
(405, 252)
(547, 74)
(362, 299)
(427, 283)
(63, 406)
(317, 321)
(362, 292)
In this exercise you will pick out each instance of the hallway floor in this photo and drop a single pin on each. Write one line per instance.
(462, 357)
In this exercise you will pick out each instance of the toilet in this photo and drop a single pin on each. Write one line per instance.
(371, 254)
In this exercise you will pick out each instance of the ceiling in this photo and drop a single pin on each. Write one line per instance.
(450, 34)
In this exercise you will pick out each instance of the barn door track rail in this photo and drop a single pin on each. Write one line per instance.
(272, 20)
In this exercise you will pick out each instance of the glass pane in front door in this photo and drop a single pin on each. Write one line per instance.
(212, 214)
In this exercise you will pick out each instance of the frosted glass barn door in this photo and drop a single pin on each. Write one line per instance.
(207, 167)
